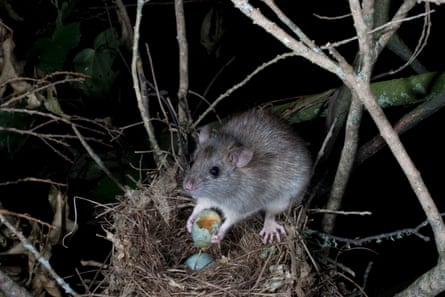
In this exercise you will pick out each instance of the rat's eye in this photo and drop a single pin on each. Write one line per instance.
(214, 171)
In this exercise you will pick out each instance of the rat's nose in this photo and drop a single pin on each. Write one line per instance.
(189, 184)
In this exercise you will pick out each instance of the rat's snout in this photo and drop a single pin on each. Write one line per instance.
(189, 184)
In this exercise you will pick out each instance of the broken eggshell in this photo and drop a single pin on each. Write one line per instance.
(204, 227)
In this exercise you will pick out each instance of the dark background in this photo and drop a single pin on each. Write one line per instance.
(378, 185)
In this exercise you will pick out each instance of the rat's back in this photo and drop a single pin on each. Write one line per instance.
(275, 145)
(254, 162)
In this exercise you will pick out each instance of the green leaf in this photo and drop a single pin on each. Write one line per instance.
(97, 64)
(52, 52)
(107, 39)
(65, 10)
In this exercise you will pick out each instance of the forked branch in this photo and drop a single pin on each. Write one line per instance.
(358, 81)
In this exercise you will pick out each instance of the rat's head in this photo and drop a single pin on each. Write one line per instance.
(217, 165)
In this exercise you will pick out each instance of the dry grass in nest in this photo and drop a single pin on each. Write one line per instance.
(151, 245)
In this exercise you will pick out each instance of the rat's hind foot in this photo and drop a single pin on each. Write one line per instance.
(271, 230)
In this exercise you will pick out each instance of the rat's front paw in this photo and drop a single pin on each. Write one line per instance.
(216, 238)
(271, 230)
(190, 222)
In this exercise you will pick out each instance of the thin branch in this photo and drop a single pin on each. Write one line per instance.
(143, 105)
(43, 261)
(366, 51)
(339, 212)
(184, 117)
(24, 216)
(41, 84)
(398, 234)
(405, 52)
(313, 54)
(394, 24)
(360, 85)
(376, 29)
(432, 282)
(96, 158)
(33, 179)
(291, 25)
(239, 85)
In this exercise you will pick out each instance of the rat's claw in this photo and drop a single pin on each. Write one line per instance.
(270, 231)
(216, 238)
(268, 237)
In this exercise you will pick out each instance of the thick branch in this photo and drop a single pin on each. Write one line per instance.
(345, 165)
(359, 84)
(313, 54)
(431, 283)
(405, 162)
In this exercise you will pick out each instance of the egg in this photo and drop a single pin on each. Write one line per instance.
(198, 261)
(204, 227)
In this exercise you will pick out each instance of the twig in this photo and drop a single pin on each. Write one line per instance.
(41, 85)
(421, 43)
(291, 25)
(239, 85)
(376, 29)
(24, 216)
(136, 71)
(394, 24)
(432, 282)
(360, 84)
(184, 116)
(32, 179)
(326, 140)
(213, 80)
(44, 262)
(313, 54)
(340, 212)
(52, 140)
(96, 158)
(374, 238)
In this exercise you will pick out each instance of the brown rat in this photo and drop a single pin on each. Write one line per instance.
(254, 162)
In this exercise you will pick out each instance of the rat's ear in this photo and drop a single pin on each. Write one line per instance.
(204, 134)
(240, 156)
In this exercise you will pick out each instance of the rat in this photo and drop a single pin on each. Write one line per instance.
(254, 162)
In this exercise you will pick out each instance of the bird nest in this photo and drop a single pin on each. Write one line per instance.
(151, 244)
